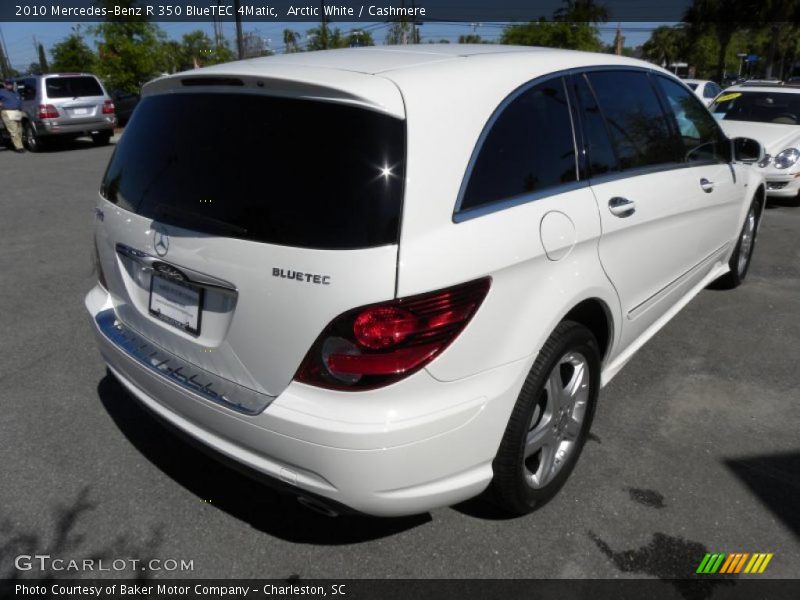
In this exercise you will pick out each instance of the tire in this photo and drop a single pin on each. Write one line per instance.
(739, 262)
(31, 141)
(102, 138)
(547, 431)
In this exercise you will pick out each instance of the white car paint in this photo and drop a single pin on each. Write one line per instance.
(775, 138)
(704, 89)
(429, 439)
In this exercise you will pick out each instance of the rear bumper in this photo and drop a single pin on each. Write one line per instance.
(404, 449)
(54, 127)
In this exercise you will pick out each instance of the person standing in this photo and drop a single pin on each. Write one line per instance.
(10, 105)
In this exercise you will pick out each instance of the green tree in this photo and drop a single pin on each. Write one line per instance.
(73, 55)
(130, 50)
(470, 38)
(581, 11)
(323, 38)
(291, 41)
(34, 68)
(197, 48)
(559, 34)
(722, 18)
(665, 46)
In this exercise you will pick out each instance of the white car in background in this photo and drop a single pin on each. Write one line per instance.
(426, 300)
(770, 115)
(703, 89)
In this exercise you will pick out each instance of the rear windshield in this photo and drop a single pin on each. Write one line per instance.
(762, 107)
(72, 87)
(276, 170)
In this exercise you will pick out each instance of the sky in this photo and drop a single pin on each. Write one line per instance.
(19, 36)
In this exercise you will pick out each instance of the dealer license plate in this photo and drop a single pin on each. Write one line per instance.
(177, 303)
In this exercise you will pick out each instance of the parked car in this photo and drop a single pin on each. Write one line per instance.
(730, 80)
(124, 103)
(766, 82)
(65, 105)
(703, 89)
(772, 116)
(407, 279)
(792, 82)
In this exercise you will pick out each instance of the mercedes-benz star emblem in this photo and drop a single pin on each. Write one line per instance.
(161, 242)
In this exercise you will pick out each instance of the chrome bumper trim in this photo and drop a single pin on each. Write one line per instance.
(179, 372)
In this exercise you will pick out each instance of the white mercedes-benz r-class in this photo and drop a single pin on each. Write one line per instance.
(386, 279)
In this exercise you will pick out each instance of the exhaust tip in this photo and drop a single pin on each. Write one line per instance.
(317, 506)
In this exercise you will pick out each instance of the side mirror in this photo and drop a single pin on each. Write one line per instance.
(747, 150)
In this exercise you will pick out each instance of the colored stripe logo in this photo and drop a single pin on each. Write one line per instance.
(734, 563)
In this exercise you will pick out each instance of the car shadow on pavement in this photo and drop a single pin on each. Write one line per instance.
(56, 145)
(227, 489)
(775, 480)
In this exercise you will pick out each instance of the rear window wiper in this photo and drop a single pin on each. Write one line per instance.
(179, 217)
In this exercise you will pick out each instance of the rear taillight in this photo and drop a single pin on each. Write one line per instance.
(376, 345)
(98, 265)
(108, 107)
(48, 111)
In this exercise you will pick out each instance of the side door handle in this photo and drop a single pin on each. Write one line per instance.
(621, 207)
(706, 185)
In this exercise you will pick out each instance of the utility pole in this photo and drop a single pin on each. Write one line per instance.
(217, 29)
(239, 39)
(323, 30)
(5, 64)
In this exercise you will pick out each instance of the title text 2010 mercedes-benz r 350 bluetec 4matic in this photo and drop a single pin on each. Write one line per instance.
(387, 279)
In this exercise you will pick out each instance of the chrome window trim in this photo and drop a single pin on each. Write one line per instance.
(628, 173)
(485, 209)
(458, 213)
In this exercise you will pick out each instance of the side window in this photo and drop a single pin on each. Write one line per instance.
(701, 137)
(26, 89)
(601, 157)
(529, 148)
(638, 127)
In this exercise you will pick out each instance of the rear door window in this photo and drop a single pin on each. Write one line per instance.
(600, 153)
(72, 87)
(639, 129)
(529, 148)
(284, 171)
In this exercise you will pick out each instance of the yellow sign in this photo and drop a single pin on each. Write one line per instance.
(727, 97)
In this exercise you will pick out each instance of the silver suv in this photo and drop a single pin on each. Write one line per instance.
(65, 104)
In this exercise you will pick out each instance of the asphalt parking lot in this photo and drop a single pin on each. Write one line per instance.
(695, 446)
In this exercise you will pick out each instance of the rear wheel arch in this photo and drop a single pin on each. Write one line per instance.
(595, 315)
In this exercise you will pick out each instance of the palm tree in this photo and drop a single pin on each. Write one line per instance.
(290, 39)
(664, 46)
